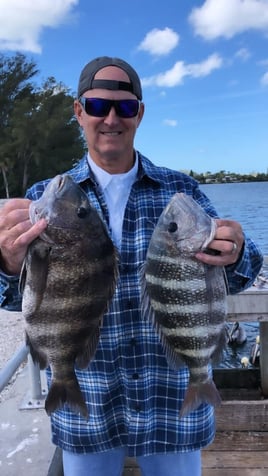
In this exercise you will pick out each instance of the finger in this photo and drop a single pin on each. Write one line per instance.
(16, 203)
(217, 260)
(14, 244)
(223, 247)
(13, 212)
(29, 233)
(227, 222)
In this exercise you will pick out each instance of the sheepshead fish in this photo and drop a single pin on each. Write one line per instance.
(185, 298)
(67, 280)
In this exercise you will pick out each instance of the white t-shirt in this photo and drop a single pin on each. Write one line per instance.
(116, 189)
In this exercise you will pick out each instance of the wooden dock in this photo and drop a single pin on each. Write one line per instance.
(240, 447)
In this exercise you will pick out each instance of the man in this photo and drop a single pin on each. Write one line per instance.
(133, 396)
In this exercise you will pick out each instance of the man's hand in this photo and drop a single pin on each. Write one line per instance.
(16, 233)
(227, 244)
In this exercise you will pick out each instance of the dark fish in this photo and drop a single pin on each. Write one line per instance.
(68, 279)
(185, 298)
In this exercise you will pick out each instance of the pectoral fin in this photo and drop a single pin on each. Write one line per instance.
(89, 349)
(35, 270)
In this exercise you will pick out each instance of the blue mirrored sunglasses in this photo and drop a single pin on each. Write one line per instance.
(99, 107)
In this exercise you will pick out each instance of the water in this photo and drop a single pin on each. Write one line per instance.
(248, 204)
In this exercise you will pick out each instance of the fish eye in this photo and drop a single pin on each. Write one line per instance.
(81, 212)
(172, 227)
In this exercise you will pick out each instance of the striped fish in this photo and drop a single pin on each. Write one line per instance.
(185, 298)
(68, 278)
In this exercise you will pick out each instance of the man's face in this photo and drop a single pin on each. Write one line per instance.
(110, 139)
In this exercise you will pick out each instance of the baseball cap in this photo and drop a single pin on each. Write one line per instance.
(87, 81)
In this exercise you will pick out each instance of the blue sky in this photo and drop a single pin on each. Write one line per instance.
(203, 64)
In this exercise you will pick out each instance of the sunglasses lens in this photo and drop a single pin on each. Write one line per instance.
(127, 107)
(99, 107)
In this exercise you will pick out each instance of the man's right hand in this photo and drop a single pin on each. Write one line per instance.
(16, 233)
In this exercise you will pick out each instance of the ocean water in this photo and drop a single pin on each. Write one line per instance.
(248, 204)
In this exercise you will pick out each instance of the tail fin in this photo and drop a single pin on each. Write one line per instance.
(69, 392)
(197, 394)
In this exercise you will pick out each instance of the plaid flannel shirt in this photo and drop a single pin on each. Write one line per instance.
(133, 397)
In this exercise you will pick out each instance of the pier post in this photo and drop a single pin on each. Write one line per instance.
(264, 357)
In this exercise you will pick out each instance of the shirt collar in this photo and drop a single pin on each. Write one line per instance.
(104, 178)
(146, 169)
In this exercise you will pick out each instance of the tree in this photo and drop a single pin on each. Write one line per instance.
(39, 134)
(15, 84)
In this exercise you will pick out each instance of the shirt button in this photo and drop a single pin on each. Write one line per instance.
(138, 408)
(135, 376)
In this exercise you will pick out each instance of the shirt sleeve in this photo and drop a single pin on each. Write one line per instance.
(10, 297)
(242, 274)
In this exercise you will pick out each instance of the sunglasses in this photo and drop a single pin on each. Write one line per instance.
(99, 107)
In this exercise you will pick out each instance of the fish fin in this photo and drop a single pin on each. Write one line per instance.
(146, 308)
(40, 264)
(83, 359)
(69, 392)
(37, 261)
(23, 275)
(197, 394)
(217, 355)
(37, 356)
(175, 362)
(147, 311)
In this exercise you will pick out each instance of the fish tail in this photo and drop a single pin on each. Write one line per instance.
(69, 392)
(197, 394)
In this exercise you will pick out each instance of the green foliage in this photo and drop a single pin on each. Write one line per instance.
(39, 135)
(226, 177)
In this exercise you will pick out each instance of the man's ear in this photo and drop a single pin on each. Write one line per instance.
(78, 111)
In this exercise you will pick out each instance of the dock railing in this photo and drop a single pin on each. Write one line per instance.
(37, 392)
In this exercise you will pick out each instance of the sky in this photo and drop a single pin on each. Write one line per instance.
(203, 66)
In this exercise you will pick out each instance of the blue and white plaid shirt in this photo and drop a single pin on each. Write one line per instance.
(133, 397)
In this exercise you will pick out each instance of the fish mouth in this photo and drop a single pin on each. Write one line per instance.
(55, 187)
(59, 183)
(62, 179)
(33, 214)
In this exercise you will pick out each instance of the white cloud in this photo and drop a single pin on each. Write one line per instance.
(264, 79)
(227, 18)
(175, 75)
(170, 122)
(205, 67)
(159, 42)
(243, 54)
(172, 77)
(22, 22)
(263, 62)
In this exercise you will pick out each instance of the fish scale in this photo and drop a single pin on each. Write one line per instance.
(184, 298)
